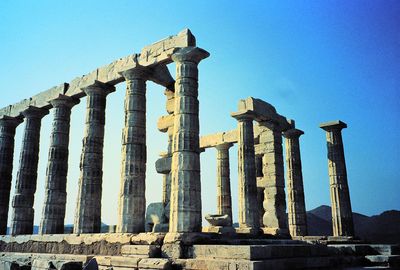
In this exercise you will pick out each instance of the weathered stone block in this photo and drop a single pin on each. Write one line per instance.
(219, 229)
(218, 220)
(118, 261)
(170, 106)
(147, 239)
(211, 140)
(171, 251)
(145, 251)
(155, 264)
(41, 264)
(163, 165)
(165, 122)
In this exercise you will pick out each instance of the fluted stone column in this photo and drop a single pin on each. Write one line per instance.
(25, 186)
(88, 208)
(7, 133)
(185, 209)
(275, 218)
(170, 132)
(53, 213)
(297, 216)
(248, 210)
(170, 95)
(132, 198)
(224, 200)
(260, 188)
(259, 166)
(342, 217)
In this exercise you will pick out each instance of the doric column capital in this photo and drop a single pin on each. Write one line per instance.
(333, 125)
(243, 116)
(190, 54)
(64, 101)
(138, 72)
(224, 146)
(10, 121)
(99, 88)
(293, 133)
(35, 112)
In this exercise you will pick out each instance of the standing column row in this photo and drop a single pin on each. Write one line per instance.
(132, 197)
(25, 186)
(88, 209)
(7, 134)
(53, 213)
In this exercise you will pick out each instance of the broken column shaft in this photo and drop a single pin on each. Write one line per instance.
(342, 216)
(25, 186)
(274, 219)
(88, 209)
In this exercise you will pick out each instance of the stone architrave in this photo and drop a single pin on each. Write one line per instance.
(274, 218)
(342, 216)
(88, 208)
(53, 213)
(224, 200)
(297, 216)
(25, 186)
(132, 197)
(248, 211)
(8, 126)
(185, 204)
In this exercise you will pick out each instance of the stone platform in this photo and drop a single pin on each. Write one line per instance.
(190, 251)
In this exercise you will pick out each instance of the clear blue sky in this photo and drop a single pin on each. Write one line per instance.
(315, 61)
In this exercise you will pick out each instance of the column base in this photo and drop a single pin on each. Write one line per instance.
(248, 230)
(275, 231)
(219, 229)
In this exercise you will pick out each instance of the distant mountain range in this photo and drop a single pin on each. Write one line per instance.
(382, 228)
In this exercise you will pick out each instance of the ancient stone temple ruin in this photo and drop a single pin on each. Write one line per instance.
(272, 222)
